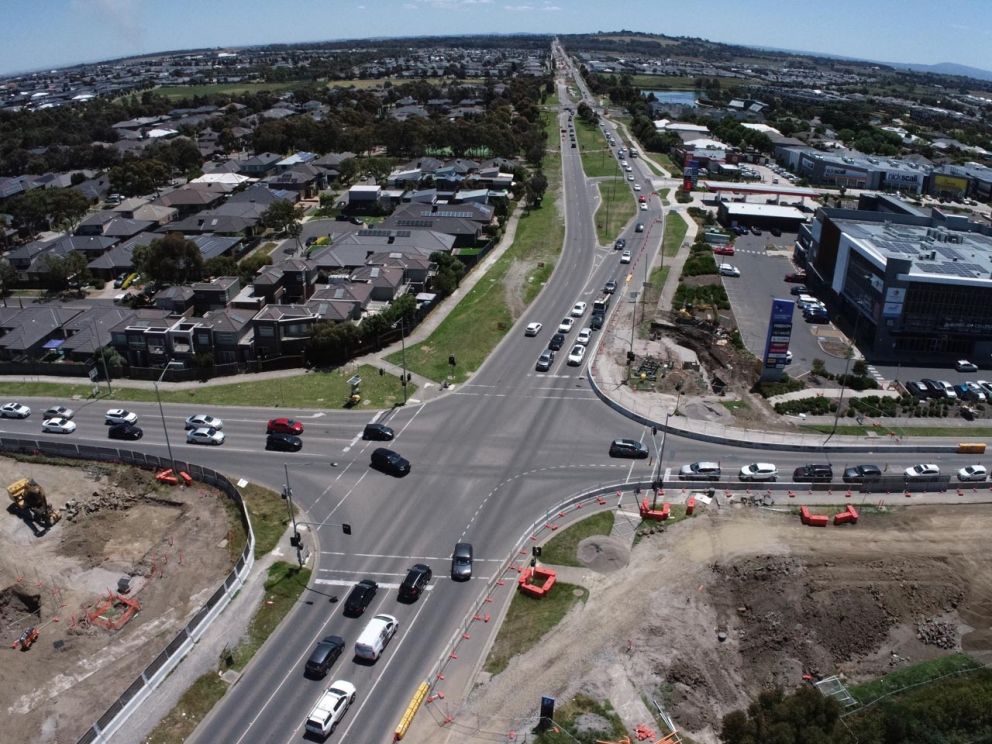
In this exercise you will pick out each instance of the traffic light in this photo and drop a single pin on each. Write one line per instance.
(346, 529)
(295, 540)
(535, 551)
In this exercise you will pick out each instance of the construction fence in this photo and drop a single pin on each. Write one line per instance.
(117, 714)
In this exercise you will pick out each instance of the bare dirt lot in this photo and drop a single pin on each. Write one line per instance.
(171, 542)
(736, 600)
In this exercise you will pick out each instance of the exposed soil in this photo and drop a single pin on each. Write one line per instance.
(117, 523)
(737, 600)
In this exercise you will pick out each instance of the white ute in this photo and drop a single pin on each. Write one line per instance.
(330, 709)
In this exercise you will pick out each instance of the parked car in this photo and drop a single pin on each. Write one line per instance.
(796, 276)
(378, 433)
(360, 597)
(973, 473)
(120, 416)
(922, 471)
(284, 426)
(813, 473)
(545, 361)
(556, 342)
(934, 388)
(58, 426)
(917, 389)
(59, 412)
(977, 391)
(328, 651)
(628, 448)
(723, 250)
(125, 431)
(798, 290)
(625, 257)
(759, 471)
(727, 269)
(14, 410)
(387, 461)
(576, 355)
(963, 365)
(700, 471)
(776, 232)
(201, 420)
(757, 230)
(948, 389)
(205, 435)
(862, 473)
(283, 443)
(461, 562)
(416, 581)
(532, 329)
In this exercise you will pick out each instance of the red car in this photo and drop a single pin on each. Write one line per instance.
(724, 250)
(284, 426)
(642, 199)
(798, 277)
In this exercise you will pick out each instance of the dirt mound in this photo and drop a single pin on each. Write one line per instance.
(603, 554)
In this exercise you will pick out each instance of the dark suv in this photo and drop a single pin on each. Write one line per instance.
(417, 579)
(628, 448)
(813, 473)
(556, 342)
(862, 473)
(324, 656)
(390, 462)
(360, 597)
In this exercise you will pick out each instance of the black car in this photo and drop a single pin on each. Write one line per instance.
(814, 473)
(324, 656)
(628, 448)
(619, 244)
(934, 388)
(283, 443)
(461, 562)
(125, 431)
(862, 473)
(798, 290)
(360, 597)
(776, 232)
(610, 287)
(556, 342)
(417, 579)
(597, 320)
(815, 315)
(378, 432)
(390, 462)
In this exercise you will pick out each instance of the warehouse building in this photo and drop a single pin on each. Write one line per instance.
(765, 216)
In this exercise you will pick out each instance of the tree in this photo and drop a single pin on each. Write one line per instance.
(449, 273)
(804, 717)
(536, 186)
(172, 260)
(220, 266)
(250, 265)
(63, 269)
(280, 215)
(135, 177)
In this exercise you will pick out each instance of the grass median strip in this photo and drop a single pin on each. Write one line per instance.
(675, 230)
(562, 549)
(269, 516)
(615, 209)
(528, 619)
(597, 158)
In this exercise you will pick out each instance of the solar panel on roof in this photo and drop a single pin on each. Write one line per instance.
(948, 252)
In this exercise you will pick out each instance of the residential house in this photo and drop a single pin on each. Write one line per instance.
(463, 221)
(142, 339)
(304, 179)
(175, 300)
(240, 219)
(189, 201)
(416, 267)
(282, 330)
(90, 330)
(341, 300)
(215, 294)
(120, 258)
(25, 331)
(384, 281)
(260, 165)
(260, 193)
(31, 260)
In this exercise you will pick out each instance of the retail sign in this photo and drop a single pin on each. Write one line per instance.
(777, 340)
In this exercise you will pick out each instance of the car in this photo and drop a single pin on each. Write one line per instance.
(390, 462)
(378, 433)
(597, 320)
(578, 309)
(813, 473)
(963, 365)
(416, 581)
(284, 426)
(798, 277)
(777, 232)
(816, 314)
(861, 473)
(202, 421)
(758, 471)
(619, 244)
(917, 389)
(727, 269)
(630, 448)
(948, 389)
(642, 199)
(120, 416)
(330, 709)
(58, 425)
(545, 361)
(584, 337)
(639, 227)
(644, 207)
(59, 412)
(461, 562)
(637, 187)
(205, 435)
(700, 471)
(532, 329)
(328, 651)
(798, 290)
(973, 473)
(923, 470)
(556, 342)
(934, 388)
(723, 250)
(566, 325)
(610, 287)
(360, 597)
(283, 443)
(986, 388)
(976, 391)
(573, 144)
(576, 355)
(966, 393)
(756, 231)
(625, 257)
(125, 431)
(14, 410)
(119, 281)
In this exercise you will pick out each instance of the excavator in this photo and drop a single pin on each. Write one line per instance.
(29, 499)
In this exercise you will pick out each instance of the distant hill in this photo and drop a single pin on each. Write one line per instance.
(946, 68)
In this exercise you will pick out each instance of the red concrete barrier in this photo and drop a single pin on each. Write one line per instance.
(690, 506)
(817, 520)
(545, 576)
(657, 515)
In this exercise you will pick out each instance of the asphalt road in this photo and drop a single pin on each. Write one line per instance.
(487, 460)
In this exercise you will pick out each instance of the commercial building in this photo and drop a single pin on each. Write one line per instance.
(914, 288)
(856, 171)
(972, 180)
(760, 215)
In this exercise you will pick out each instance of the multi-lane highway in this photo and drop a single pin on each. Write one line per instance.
(488, 458)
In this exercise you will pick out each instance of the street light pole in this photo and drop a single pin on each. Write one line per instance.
(403, 357)
(847, 366)
(288, 492)
(103, 358)
(661, 451)
(165, 428)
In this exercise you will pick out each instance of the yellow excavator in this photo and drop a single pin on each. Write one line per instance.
(29, 499)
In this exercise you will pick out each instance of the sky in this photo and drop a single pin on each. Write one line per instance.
(41, 34)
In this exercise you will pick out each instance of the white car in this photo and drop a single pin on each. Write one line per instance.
(58, 425)
(120, 416)
(948, 389)
(759, 471)
(578, 309)
(532, 329)
(566, 325)
(964, 365)
(923, 470)
(584, 337)
(330, 709)
(637, 187)
(973, 473)
(727, 269)
(202, 421)
(59, 412)
(576, 355)
(630, 177)
(205, 435)
(14, 410)
(644, 207)
(625, 257)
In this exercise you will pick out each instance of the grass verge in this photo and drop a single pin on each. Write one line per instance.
(566, 715)
(615, 209)
(663, 195)
(310, 390)
(675, 230)
(227, 89)
(914, 675)
(676, 514)
(666, 162)
(269, 516)
(528, 619)
(963, 433)
(192, 708)
(561, 550)
(650, 298)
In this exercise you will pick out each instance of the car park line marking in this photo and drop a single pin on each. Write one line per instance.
(393, 655)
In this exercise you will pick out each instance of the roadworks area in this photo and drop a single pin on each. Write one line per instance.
(704, 614)
(117, 522)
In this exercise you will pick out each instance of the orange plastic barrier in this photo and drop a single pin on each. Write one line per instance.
(848, 516)
(690, 506)
(166, 476)
(546, 576)
(812, 520)
(658, 515)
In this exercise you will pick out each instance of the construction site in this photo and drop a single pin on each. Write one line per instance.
(100, 567)
(738, 599)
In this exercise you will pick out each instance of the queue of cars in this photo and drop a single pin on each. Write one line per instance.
(577, 353)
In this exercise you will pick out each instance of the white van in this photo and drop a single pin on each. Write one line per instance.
(375, 637)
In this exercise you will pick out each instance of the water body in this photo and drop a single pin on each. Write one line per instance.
(680, 97)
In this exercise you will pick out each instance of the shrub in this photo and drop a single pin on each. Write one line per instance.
(815, 406)
(785, 385)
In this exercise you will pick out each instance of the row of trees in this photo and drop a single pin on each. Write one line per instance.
(47, 209)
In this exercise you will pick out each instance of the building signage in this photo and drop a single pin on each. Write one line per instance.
(779, 335)
(943, 184)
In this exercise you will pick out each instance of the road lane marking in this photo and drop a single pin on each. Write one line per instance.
(404, 557)
(346, 582)
(343, 499)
